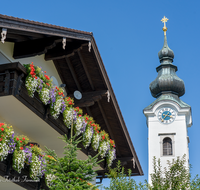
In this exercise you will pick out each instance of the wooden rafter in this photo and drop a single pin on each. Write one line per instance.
(73, 74)
(89, 98)
(86, 70)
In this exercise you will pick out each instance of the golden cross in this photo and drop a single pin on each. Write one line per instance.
(164, 20)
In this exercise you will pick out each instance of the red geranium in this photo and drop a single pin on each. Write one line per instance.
(2, 129)
(47, 77)
(21, 148)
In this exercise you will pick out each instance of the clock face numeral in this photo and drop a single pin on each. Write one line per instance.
(166, 115)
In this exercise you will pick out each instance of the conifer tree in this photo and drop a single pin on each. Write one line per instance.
(69, 172)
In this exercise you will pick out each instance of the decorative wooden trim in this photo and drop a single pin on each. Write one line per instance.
(7, 82)
(18, 86)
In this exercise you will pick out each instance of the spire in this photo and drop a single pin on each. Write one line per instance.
(167, 82)
(166, 55)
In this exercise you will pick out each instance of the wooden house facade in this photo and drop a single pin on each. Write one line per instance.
(72, 58)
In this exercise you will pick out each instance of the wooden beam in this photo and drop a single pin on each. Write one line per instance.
(25, 33)
(59, 53)
(34, 47)
(108, 125)
(73, 73)
(90, 95)
(86, 70)
(89, 98)
(60, 74)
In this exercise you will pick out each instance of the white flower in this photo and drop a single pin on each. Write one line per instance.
(103, 148)
(79, 125)
(49, 178)
(35, 168)
(56, 108)
(67, 115)
(87, 136)
(18, 160)
(95, 141)
(44, 95)
(111, 156)
(31, 85)
(4, 148)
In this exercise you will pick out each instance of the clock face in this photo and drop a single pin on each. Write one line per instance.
(166, 115)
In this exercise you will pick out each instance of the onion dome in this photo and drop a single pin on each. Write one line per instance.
(167, 82)
(166, 55)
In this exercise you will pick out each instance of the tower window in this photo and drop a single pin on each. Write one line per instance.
(167, 146)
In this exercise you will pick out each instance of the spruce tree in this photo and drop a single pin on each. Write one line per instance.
(69, 172)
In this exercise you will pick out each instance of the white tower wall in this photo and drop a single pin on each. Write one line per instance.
(177, 131)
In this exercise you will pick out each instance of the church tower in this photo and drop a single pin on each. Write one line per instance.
(168, 117)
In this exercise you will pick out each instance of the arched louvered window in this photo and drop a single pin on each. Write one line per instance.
(167, 146)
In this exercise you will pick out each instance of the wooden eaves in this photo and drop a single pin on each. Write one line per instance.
(81, 68)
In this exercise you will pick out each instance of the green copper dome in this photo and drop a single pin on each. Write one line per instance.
(167, 82)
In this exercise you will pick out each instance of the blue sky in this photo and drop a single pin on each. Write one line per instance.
(129, 35)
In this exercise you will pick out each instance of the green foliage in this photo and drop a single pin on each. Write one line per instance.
(176, 176)
(119, 180)
(195, 183)
(69, 172)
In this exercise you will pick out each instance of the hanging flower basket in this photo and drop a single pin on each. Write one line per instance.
(6, 140)
(37, 80)
(87, 136)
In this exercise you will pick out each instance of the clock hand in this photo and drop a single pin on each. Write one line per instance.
(165, 116)
(168, 115)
